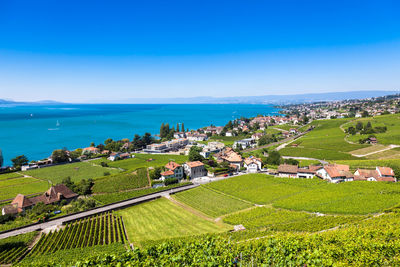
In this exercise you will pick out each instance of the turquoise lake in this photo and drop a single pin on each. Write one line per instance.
(36, 131)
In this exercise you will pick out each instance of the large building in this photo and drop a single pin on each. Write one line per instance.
(195, 169)
(53, 195)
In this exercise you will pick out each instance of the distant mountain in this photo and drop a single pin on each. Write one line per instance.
(266, 99)
(41, 102)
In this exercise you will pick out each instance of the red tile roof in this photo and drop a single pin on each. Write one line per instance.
(22, 202)
(167, 173)
(285, 168)
(193, 164)
(387, 171)
(172, 165)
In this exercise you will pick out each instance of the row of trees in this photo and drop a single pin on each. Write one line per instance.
(365, 129)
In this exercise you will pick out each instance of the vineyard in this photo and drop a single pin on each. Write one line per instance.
(12, 248)
(102, 229)
(205, 199)
(121, 182)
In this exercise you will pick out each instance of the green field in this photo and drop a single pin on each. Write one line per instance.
(121, 182)
(210, 202)
(391, 136)
(118, 196)
(34, 186)
(312, 195)
(160, 219)
(77, 171)
(9, 175)
(264, 189)
(326, 141)
(262, 217)
(141, 161)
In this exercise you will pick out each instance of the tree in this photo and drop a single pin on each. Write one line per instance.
(92, 144)
(147, 139)
(274, 158)
(108, 141)
(351, 130)
(156, 173)
(59, 156)
(183, 127)
(359, 126)
(177, 127)
(365, 114)
(19, 161)
(194, 154)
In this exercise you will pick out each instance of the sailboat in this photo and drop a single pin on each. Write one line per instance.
(55, 129)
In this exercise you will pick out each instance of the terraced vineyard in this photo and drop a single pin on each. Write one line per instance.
(101, 229)
(12, 248)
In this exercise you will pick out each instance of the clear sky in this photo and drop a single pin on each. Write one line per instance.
(99, 51)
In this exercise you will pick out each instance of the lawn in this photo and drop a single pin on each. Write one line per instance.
(121, 182)
(264, 189)
(161, 219)
(142, 161)
(326, 141)
(77, 171)
(210, 202)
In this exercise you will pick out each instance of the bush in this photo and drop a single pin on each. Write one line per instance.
(169, 181)
(106, 173)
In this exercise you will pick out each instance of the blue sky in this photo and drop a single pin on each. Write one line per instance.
(110, 51)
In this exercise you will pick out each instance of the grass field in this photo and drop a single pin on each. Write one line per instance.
(30, 186)
(391, 136)
(326, 141)
(77, 171)
(141, 161)
(160, 219)
(368, 149)
(9, 176)
(263, 189)
(121, 182)
(210, 202)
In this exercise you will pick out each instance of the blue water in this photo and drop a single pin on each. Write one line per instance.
(34, 131)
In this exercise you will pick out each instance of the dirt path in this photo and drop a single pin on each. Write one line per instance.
(378, 151)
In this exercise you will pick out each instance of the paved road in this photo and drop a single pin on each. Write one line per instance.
(111, 207)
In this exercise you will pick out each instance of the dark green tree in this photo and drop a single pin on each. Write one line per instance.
(19, 161)
(194, 154)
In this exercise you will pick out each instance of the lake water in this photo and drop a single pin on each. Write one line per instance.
(36, 131)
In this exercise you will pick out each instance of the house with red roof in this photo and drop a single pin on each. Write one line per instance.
(173, 170)
(53, 195)
(335, 173)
